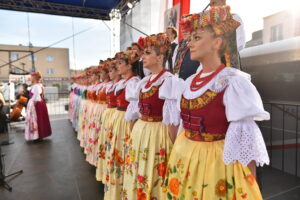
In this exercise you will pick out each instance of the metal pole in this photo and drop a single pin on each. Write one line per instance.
(32, 61)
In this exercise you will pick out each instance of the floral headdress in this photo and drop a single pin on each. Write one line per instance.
(219, 18)
(130, 55)
(221, 21)
(159, 40)
(104, 66)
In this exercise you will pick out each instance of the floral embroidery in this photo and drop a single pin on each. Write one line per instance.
(149, 93)
(199, 102)
(161, 169)
(221, 188)
(162, 152)
(141, 179)
(118, 158)
(174, 186)
(141, 195)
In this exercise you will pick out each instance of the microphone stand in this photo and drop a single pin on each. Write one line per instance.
(3, 183)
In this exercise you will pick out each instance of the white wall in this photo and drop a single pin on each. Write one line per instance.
(146, 16)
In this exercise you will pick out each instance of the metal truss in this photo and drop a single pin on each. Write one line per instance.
(40, 6)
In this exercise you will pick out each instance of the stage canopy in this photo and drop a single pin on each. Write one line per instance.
(96, 9)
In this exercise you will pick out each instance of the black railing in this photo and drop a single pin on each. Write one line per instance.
(281, 135)
(57, 103)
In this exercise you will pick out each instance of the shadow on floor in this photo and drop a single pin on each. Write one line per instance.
(54, 169)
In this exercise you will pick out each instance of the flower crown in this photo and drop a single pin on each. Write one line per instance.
(104, 66)
(219, 18)
(159, 40)
(130, 55)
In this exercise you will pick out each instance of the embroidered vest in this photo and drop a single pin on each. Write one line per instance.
(111, 99)
(151, 107)
(122, 104)
(204, 118)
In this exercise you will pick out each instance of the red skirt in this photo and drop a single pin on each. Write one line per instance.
(44, 127)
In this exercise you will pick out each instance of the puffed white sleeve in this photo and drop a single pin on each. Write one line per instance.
(132, 96)
(171, 92)
(240, 33)
(37, 91)
(244, 141)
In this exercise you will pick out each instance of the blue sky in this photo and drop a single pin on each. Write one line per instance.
(47, 29)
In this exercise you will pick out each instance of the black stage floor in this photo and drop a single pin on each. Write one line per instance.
(55, 169)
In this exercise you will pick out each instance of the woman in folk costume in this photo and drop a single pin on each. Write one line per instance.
(105, 136)
(151, 137)
(72, 99)
(214, 156)
(91, 107)
(88, 108)
(99, 101)
(127, 65)
(82, 108)
(78, 90)
(37, 118)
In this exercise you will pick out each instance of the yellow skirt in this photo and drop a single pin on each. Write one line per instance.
(150, 146)
(196, 171)
(116, 156)
(104, 139)
(93, 133)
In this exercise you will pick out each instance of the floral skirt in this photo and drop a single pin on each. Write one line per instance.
(104, 139)
(81, 119)
(31, 127)
(116, 155)
(89, 123)
(196, 171)
(88, 108)
(93, 133)
(76, 113)
(150, 146)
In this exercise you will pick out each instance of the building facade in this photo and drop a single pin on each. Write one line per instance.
(282, 25)
(53, 63)
(278, 26)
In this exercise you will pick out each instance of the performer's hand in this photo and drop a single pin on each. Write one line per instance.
(172, 130)
(132, 124)
(252, 167)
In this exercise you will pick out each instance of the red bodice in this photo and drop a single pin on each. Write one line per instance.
(204, 118)
(151, 107)
(93, 96)
(101, 97)
(121, 101)
(111, 99)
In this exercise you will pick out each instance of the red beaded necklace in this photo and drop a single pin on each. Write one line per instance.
(149, 83)
(194, 86)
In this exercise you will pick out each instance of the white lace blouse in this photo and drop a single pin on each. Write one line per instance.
(169, 91)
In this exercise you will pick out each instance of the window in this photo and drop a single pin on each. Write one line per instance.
(276, 33)
(50, 58)
(50, 71)
(34, 58)
(14, 56)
